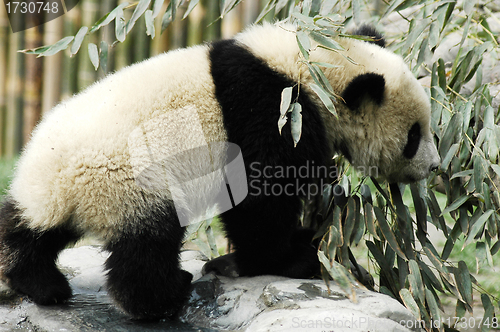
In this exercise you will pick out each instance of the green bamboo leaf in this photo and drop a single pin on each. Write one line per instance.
(280, 5)
(296, 123)
(138, 11)
(460, 310)
(479, 173)
(387, 232)
(120, 31)
(192, 4)
(433, 306)
(449, 155)
(415, 33)
(495, 248)
(456, 204)
(463, 174)
(78, 40)
(464, 284)
(94, 55)
(325, 41)
(438, 264)
(488, 322)
(169, 15)
(339, 274)
(106, 19)
(304, 43)
(436, 214)
(369, 220)
(418, 286)
(281, 123)
(477, 227)
(324, 98)
(410, 302)
(227, 5)
(103, 55)
(150, 23)
(52, 49)
(269, 6)
(159, 3)
(286, 99)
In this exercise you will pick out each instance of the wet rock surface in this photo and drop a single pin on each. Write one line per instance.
(216, 303)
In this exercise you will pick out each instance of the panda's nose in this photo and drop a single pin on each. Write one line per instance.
(433, 167)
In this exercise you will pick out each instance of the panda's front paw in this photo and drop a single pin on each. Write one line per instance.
(224, 266)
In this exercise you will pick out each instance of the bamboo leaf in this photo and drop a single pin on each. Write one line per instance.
(169, 15)
(103, 55)
(456, 204)
(304, 43)
(192, 4)
(50, 49)
(324, 98)
(106, 19)
(281, 123)
(339, 274)
(296, 123)
(387, 232)
(449, 155)
(138, 11)
(464, 284)
(477, 227)
(438, 264)
(433, 306)
(120, 31)
(94, 55)
(488, 322)
(369, 220)
(325, 41)
(157, 7)
(150, 23)
(417, 278)
(78, 40)
(409, 302)
(286, 99)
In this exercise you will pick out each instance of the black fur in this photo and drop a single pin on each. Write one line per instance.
(414, 137)
(29, 257)
(369, 31)
(369, 85)
(264, 227)
(144, 274)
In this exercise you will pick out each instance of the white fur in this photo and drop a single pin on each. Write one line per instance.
(81, 165)
(77, 167)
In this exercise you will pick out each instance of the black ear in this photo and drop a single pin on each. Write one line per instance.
(369, 85)
(369, 31)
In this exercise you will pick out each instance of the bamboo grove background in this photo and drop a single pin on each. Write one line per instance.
(30, 86)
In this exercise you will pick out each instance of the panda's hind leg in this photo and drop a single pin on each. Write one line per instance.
(28, 257)
(144, 275)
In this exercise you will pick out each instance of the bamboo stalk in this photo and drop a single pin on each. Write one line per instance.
(52, 65)
(86, 71)
(13, 117)
(4, 30)
(33, 78)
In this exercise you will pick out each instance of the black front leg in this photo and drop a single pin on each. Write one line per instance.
(265, 233)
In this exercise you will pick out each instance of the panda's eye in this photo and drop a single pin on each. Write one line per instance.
(411, 146)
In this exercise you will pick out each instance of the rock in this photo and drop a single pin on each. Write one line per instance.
(216, 303)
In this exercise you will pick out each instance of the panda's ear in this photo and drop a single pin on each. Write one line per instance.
(369, 86)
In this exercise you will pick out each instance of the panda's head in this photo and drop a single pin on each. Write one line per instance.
(384, 117)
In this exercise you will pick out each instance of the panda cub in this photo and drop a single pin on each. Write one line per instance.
(105, 162)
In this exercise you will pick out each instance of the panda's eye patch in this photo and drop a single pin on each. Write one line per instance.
(411, 146)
